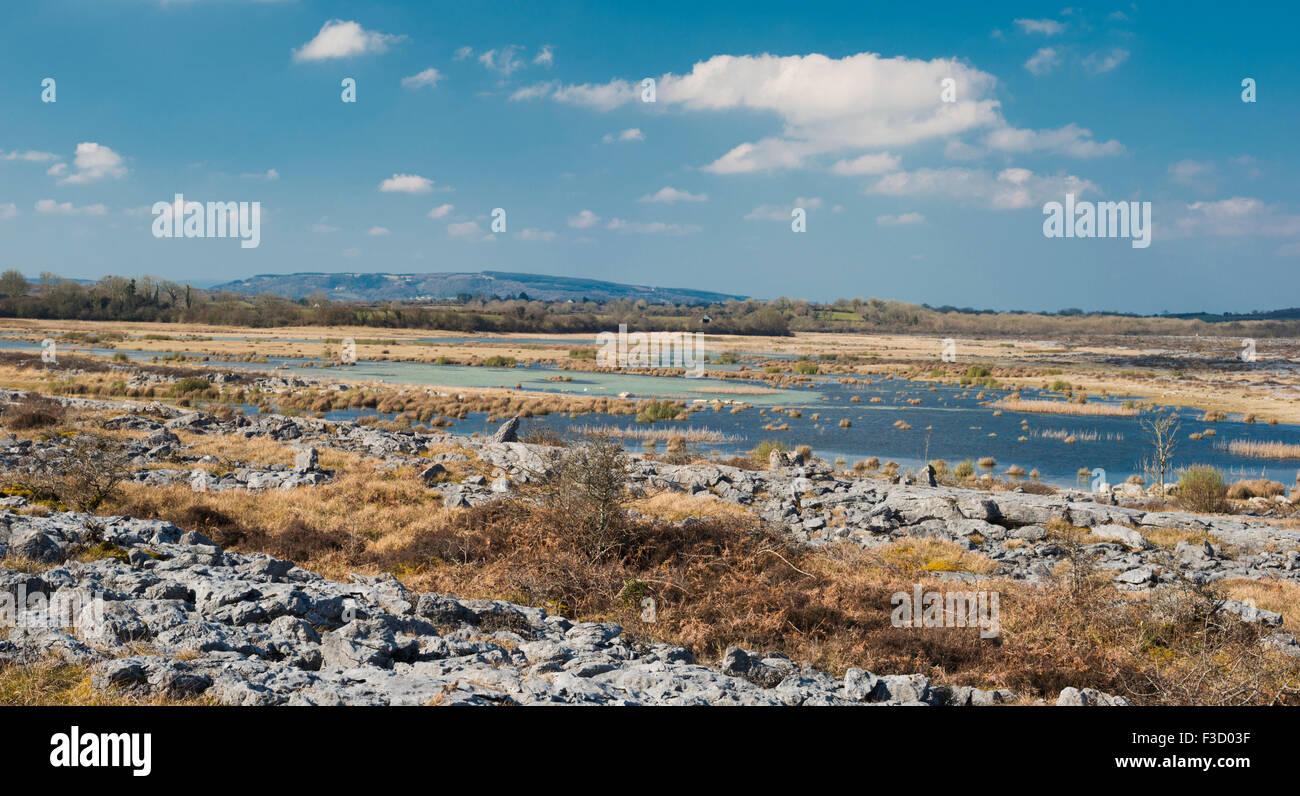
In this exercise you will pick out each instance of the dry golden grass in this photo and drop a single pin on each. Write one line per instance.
(1269, 595)
(53, 682)
(1264, 450)
(1064, 408)
(1170, 537)
(673, 506)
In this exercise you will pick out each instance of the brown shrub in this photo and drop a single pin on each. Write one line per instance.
(32, 411)
(1262, 487)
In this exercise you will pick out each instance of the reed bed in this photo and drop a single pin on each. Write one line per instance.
(690, 434)
(1077, 435)
(1263, 450)
(1063, 408)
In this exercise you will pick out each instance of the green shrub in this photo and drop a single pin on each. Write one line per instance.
(1202, 489)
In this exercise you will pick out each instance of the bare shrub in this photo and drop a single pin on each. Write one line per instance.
(585, 492)
(80, 473)
(32, 411)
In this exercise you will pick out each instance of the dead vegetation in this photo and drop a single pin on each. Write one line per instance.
(719, 578)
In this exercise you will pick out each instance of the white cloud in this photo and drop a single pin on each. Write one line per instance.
(270, 175)
(782, 212)
(900, 220)
(533, 233)
(545, 56)
(535, 91)
(827, 105)
(94, 162)
(406, 183)
(1193, 173)
(1069, 140)
(874, 163)
(1009, 189)
(428, 77)
(339, 39)
(322, 226)
(57, 170)
(441, 210)
(51, 207)
(601, 96)
(1238, 216)
(8, 211)
(1099, 62)
(502, 61)
(584, 220)
(650, 227)
(1047, 27)
(630, 134)
(1043, 61)
(377, 231)
(468, 230)
(462, 53)
(668, 195)
(30, 155)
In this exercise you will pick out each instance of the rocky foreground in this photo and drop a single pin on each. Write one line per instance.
(172, 613)
(255, 630)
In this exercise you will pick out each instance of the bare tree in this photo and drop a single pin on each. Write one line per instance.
(1162, 431)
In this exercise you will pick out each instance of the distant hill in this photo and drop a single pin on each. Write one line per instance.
(412, 287)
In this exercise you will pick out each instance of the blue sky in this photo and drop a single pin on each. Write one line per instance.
(760, 107)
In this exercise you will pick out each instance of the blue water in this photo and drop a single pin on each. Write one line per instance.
(950, 423)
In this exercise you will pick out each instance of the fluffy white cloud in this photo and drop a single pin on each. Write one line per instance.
(51, 207)
(441, 210)
(378, 231)
(1007, 190)
(584, 220)
(669, 195)
(1043, 61)
(783, 212)
(93, 162)
(1047, 27)
(601, 96)
(900, 220)
(1237, 217)
(502, 61)
(1069, 140)
(1099, 62)
(428, 77)
(630, 134)
(340, 39)
(30, 155)
(468, 230)
(545, 56)
(650, 227)
(874, 163)
(827, 105)
(406, 183)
